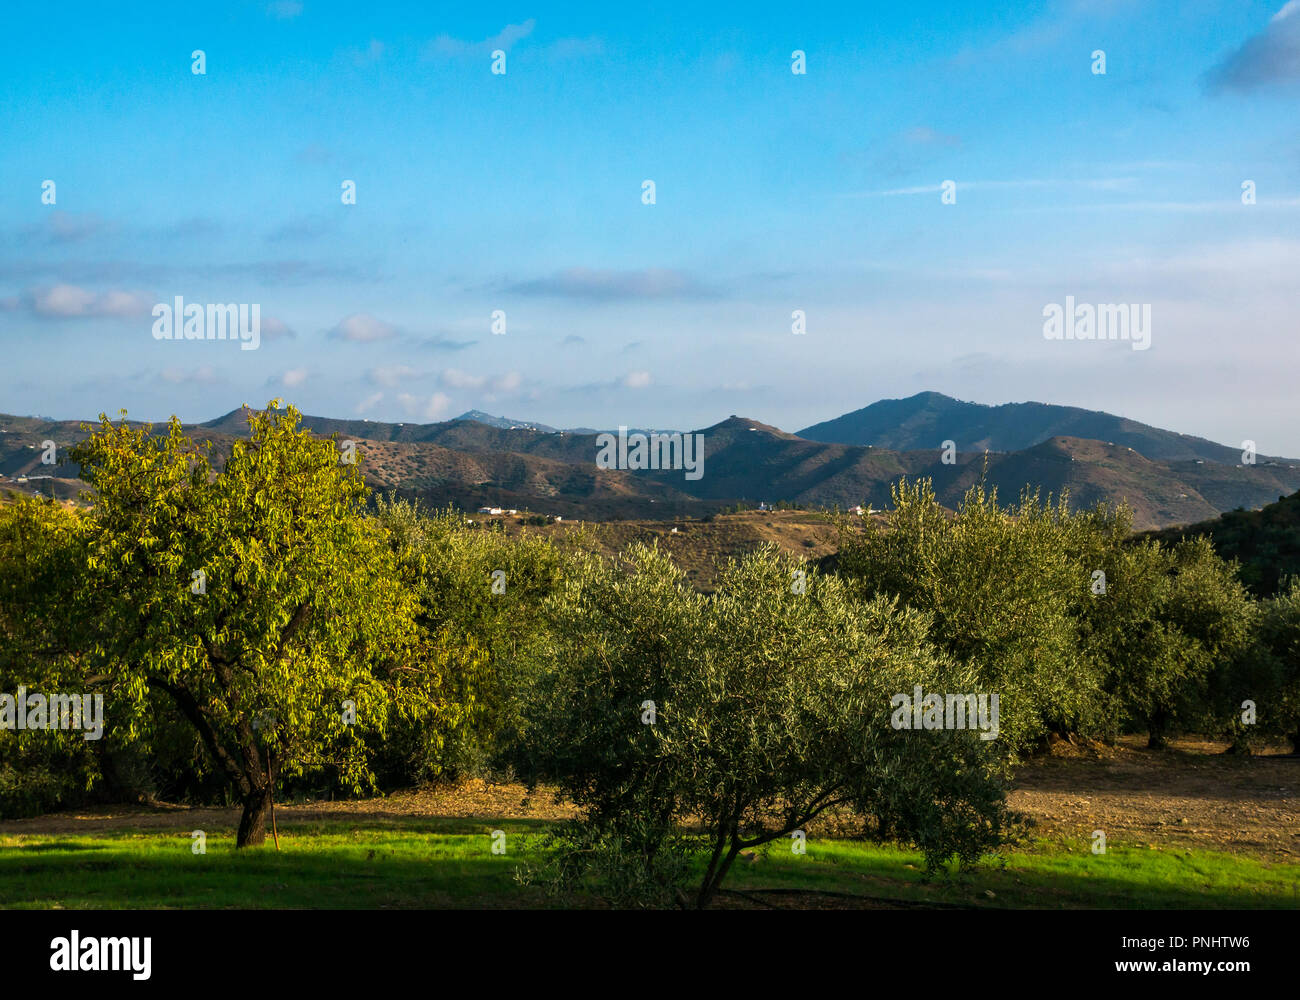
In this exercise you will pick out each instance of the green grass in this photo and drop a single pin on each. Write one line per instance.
(404, 862)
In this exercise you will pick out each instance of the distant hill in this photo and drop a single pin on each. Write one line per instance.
(504, 423)
(928, 419)
(471, 463)
(1266, 542)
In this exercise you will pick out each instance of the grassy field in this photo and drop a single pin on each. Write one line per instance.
(419, 862)
(1187, 827)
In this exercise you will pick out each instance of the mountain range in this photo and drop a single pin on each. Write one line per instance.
(477, 460)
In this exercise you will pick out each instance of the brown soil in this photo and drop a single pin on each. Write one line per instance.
(470, 799)
(1190, 795)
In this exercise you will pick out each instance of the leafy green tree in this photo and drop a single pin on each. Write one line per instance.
(259, 599)
(40, 545)
(750, 712)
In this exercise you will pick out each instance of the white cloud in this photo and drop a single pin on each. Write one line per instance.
(391, 375)
(274, 328)
(636, 380)
(203, 375)
(454, 378)
(424, 407)
(74, 302)
(446, 45)
(362, 328)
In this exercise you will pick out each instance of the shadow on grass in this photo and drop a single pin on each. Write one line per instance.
(432, 862)
(422, 865)
(1045, 876)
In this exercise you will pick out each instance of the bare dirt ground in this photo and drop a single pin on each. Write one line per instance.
(468, 800)
(1191, 795)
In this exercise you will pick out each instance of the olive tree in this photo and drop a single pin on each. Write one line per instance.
(1001, 588)
(479, 591)
(1275, 679)
(725, 722)
(1174, 623)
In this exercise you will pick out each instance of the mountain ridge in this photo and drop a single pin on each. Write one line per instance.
(472, 463)
(927, 419)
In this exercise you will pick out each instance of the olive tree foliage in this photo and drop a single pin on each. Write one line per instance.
(1266, 683)
(1080, 628)
(258, 598)
(1003, 589)
(476, 590)
(745, 715)
(1280, 633)
(1174, 631)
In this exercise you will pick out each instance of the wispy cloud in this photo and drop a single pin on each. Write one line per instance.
(424, 407)
(1056, 24)
(1178, 207)
(392, 375)
(274, 328)
(75, 302)
(362, 328)
(440, 342)
(1091, 183)
(1269, 59)
(602, 284)
(907, 151)
(203, 375)
(505, 39)
(291, 379)
(311, 227)
(60, 227)
(454, 378)
(629, 380)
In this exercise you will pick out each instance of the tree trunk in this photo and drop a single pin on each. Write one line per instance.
(713, 880)
(1156, 730)
(252, 824)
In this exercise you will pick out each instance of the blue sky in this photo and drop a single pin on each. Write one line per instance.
(775, 192)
